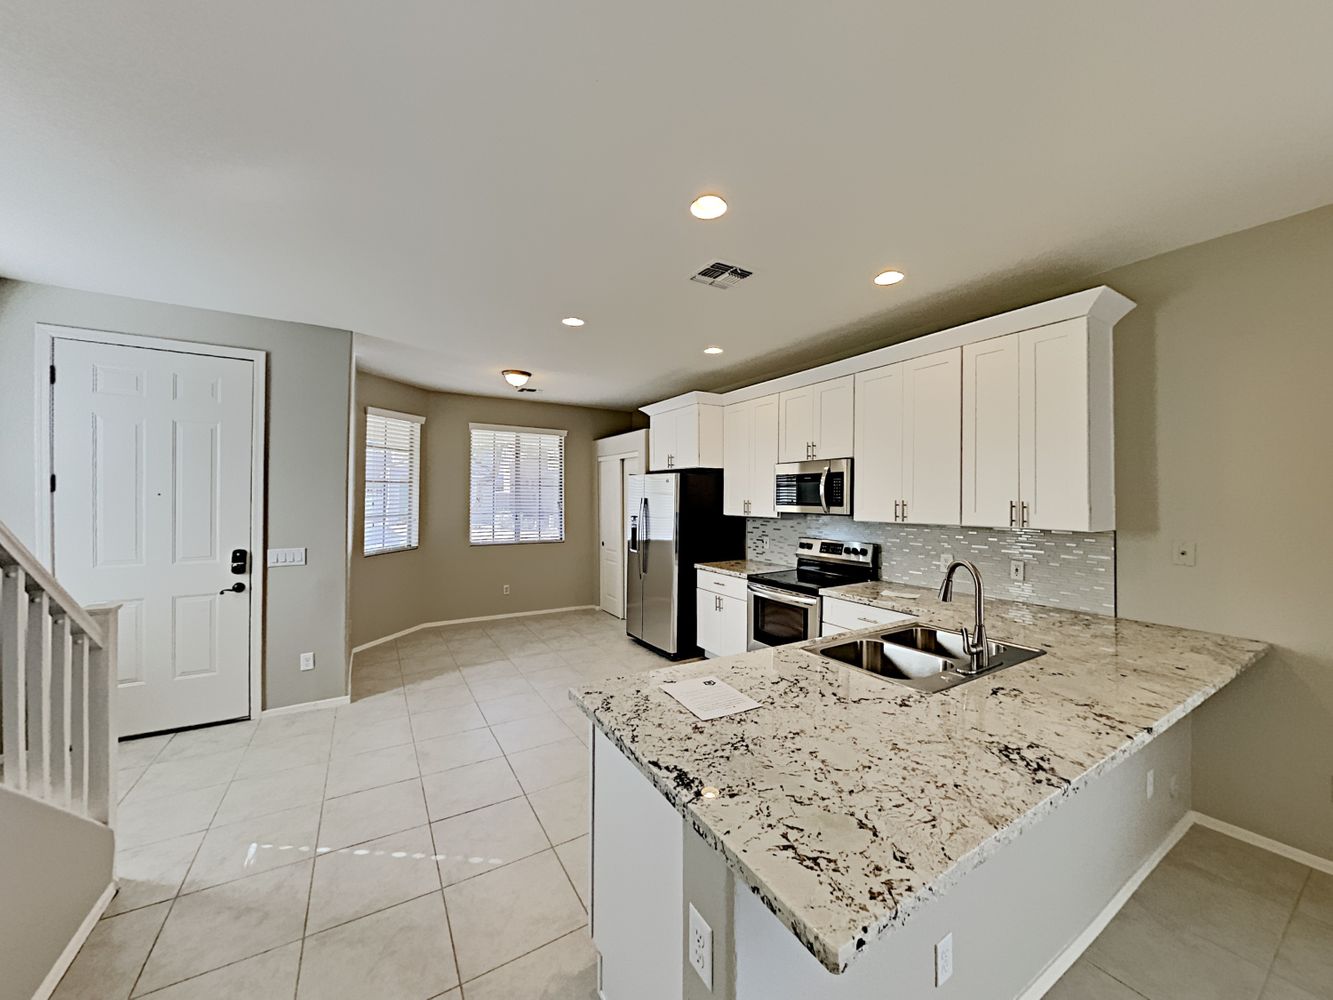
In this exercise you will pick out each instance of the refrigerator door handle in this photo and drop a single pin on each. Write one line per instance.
(643, 549)
(634, 533)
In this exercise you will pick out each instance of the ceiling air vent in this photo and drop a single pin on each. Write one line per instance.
(720, 275)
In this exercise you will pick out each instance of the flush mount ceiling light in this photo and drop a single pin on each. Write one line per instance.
(572, 321)
(713, 350)
(708, 206)
(515, 377)
(889, 277)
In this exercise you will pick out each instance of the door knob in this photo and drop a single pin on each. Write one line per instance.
(235, 588)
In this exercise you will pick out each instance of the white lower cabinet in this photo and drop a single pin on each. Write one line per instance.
(721, 614)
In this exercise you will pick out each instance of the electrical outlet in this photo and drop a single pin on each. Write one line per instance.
(506, 590)
(1182, 553)
(1152, 782)
(307, 661)
(1018, 570)
(701, 947)
(944, 960)
(945, 559)
(760, 546)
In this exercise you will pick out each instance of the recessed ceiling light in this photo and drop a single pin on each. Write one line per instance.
(713, 350)
(572, 321)
(889, 277)
(515, 377)
(708, 206)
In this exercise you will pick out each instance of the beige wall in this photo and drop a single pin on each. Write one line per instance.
(446, 578)
(1224, 410)
(309, 372)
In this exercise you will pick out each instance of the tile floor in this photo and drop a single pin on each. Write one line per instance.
(428, 840)
(1218, 919)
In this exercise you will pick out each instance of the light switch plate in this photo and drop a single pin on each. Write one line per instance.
(1182, 553)
(944, 960)
(286, 557)
(307, 661)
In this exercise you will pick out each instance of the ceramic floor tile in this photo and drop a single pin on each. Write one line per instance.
(371, 769)
(284, 755)
(155, 820)
(435, 698)
(560, 676)
(109, 961)
(447, 721)
(152, 873)
(515, 706)
(578, 723)
(435, 665)
(1305, 958)
(506, 913)
(462, 789)
(1235, 861)
(354, 736)
(563, 809)
(533, 663)
(565, 969)
(366, 687)
(487, 838)
(354, 881)
(372, 708)
(209, 929)
(270, 976)
(402, 953)
(1242, 922)
(374, 654)
(1084, 981)
(552, 764)
(536, 731)
(1278, 988)
(250, 846)
(186, 774)
(376, 812)
(285, 727)
(500, 687)
(141, 751)
(1165, 963)
(476, 654)
(250, 797)
(126, 778)
(209, 740)
(498, 669)
(455, 751)
(1316, 899)
(576, 857)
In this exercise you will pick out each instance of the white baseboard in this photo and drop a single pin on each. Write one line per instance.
(307, 706)
(1268, 844)
(466, 621)
(1062, 962)
(67, 956)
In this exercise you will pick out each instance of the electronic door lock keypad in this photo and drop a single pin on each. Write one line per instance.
(240, 561)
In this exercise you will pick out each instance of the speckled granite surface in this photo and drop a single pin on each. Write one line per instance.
(847, 801)
(740, 567)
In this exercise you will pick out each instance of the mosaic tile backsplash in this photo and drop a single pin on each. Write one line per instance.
(1062, 569)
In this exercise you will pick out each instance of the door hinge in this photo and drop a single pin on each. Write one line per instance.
(53, 482)
(53, 374)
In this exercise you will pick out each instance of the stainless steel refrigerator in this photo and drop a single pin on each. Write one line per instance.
(674, 520)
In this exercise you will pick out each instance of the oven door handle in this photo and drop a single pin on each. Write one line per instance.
(785, 596)
(823, 484)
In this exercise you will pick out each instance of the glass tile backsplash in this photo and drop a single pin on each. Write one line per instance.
(1062, 569)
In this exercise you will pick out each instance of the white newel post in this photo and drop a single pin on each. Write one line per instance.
(101, 687)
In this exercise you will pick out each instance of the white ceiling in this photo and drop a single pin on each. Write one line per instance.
(449, 179)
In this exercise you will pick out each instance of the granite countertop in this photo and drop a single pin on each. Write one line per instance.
(743, 568)
(847, 801)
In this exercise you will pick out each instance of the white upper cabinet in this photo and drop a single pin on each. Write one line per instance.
(687, 437)
(816, 421)
(750, 450)
(1038, 442)
(907, 448)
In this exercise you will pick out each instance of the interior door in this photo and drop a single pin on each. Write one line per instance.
(990, 432)
(152, 457)
(932, 439)
(611, 507)
(877, 477)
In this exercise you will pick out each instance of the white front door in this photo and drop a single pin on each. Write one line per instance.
(611, 506)
(152, 457)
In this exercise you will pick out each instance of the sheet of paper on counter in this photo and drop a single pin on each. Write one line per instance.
(709, 698)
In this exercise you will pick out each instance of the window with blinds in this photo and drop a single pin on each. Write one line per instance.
(518, 485)
(393, 481)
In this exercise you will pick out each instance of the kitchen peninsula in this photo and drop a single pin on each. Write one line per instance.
(841, 836)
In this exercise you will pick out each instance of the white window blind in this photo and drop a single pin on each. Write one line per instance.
(393, 481)
(518, 485)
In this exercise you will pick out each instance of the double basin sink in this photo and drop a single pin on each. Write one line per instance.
(921, 657)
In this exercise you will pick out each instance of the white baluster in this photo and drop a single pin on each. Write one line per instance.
(78, 721)
(101, 731)
(14, 675)
(62, 648)
(39, 694)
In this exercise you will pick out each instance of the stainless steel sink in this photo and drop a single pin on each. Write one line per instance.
(924, 658)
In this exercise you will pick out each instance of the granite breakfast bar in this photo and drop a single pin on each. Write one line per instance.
(857, 821)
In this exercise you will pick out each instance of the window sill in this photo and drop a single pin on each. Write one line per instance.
(528, 541)
(388, 552)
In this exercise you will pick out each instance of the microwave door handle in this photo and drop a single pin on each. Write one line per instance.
(823, 484)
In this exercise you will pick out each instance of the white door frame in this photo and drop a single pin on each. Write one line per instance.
(619, 458)
(45, 336)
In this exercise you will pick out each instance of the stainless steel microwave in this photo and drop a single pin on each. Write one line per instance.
(820, 487)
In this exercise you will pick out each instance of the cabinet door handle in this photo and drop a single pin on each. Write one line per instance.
(896, 505)
(904, 510)
(1013, 512)
(1026, 518)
